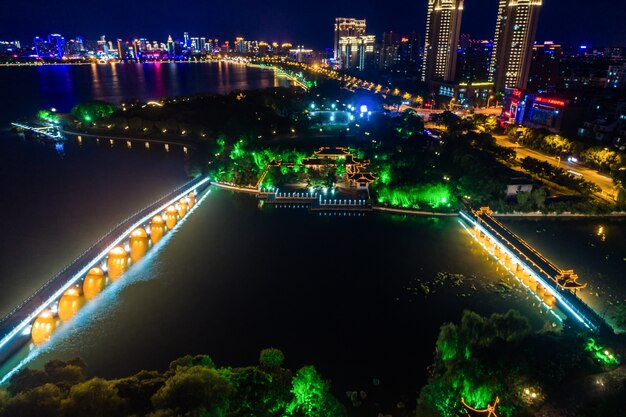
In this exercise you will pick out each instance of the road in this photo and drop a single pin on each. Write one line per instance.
(601, 180)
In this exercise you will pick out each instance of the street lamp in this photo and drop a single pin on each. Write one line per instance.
(489, 101)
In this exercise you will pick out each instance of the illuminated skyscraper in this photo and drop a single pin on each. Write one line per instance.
(347, 27)
(186, 39)
(516, 28)
(171, 48)
(443, 27)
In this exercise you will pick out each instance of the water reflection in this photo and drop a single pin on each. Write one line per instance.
(62, 86)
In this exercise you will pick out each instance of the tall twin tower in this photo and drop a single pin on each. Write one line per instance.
(516, 27)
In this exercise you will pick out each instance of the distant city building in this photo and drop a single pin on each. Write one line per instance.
(347, 27)
(9, 47)
(545, 67)
(357, 52)
(443, 25)
(171, 47)
(57, 43)
(473, 59)
(516, 27)
(616, 77)
(300, 54)
(195, 44)
(399, 52)
(186, 40)
(73, 48)
(120, 49)
(240, 46)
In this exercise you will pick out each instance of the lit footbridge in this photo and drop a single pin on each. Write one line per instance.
(553, 286)
(46, 130)
(35, 320)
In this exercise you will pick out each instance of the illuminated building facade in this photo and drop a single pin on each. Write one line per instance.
(357, 51)
(347, 27)
(443, 26)
(557, 114)
(516, 27)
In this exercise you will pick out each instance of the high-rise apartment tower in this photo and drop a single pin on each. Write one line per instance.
(516, 28)
(443, 28)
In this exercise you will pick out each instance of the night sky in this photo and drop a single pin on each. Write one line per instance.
(571, 22)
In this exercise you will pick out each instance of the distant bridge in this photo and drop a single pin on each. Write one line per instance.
(49, 131)
(184, 143)
(19, 326)
(557, 287)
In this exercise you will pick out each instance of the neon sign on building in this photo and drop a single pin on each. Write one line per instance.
(550, 101)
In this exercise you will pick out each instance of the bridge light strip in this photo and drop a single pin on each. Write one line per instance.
(26, 322)
(533, 274)
(511, 272)
(35, 352)
(41, 130)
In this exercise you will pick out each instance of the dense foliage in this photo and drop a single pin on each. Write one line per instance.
(484, 358)
(191, 387)
(93, 111)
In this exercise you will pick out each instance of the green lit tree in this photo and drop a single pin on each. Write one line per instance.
(271, 358)
(311, 397)
(92, 111)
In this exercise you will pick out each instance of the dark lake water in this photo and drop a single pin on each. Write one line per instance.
(342, 293)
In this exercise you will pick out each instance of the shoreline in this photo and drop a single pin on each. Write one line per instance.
(397, 210)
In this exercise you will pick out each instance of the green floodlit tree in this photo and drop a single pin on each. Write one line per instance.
(499, 356)
(91, 111)
(432, 195)
(271, 358)
(48, 116)
(458, 370)
(311, 396)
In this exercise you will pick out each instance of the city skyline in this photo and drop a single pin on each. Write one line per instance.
(307, 26)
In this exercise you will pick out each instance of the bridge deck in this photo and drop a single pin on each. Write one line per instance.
(13, 324)
(537, 265)
(516, 244)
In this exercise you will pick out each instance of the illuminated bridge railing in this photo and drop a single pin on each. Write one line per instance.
(49, 131)
(19, 319)
(537, 266)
